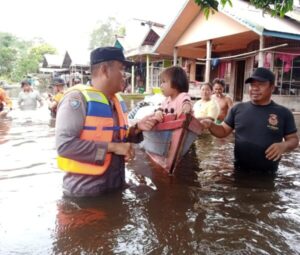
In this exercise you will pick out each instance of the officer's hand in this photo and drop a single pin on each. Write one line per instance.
(130, 154)
(147, 123)
(275, 151)
(125, 149)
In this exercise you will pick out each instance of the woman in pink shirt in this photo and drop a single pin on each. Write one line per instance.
(174, 86)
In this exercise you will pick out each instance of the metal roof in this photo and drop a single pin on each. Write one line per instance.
(139, 38)
(51, 60)
(261, 22)
(191, 29)
(79, 58)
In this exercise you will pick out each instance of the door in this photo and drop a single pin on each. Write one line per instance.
(239, 80)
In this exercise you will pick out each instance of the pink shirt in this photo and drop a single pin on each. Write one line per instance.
(175, 104)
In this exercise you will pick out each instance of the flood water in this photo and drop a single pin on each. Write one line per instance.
(202, 209)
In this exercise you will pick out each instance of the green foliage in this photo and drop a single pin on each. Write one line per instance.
(30, 59)
(8, 54)
(39, 51)
(7, 60)
(18, 57)
(24, 66)
(275, 7)
(105, 32)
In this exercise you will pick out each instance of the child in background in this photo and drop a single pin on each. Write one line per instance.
(174, 87)
(206, 107)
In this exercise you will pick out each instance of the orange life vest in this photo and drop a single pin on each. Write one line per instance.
(98, 127)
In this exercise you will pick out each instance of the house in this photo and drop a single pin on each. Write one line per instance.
(138, 44)
(52, 64)
(68, 66)
(231, 43)
(78, 64)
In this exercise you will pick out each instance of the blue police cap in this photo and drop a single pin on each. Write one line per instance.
(104, 54)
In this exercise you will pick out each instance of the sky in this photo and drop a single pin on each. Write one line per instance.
(67, 24)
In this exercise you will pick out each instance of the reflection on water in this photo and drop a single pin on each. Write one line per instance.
(202, 209)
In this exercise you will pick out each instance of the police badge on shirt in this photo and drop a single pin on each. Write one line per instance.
(74, 103)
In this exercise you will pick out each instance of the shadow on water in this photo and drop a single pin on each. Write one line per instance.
(203, 209)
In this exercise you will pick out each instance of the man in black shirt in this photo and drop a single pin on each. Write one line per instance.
(264, 130)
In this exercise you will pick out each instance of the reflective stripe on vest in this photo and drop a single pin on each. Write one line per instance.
(98, 127)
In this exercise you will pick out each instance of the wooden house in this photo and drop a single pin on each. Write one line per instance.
(231, 43)
(138, 45)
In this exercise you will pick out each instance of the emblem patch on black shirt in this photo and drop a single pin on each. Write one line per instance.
(273, 122)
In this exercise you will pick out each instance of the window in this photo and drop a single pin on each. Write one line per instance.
(287, 72)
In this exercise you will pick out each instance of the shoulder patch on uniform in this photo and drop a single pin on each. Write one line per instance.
(74, 103)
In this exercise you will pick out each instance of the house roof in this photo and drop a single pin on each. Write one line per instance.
(140, 37)
(295, 14)
(54, 70)
(135, 34)
(78, 58)
(262, 23)
(231, 28)
(51, 60)
(184, 18)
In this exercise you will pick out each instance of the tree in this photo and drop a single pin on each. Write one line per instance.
(37, 52)
(275, 7)
(19, 57)
(105, 32)
(30, 59)
(8, 52)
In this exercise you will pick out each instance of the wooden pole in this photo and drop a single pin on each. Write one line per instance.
(147, 73)
(208, 58)
(175, 51)
(132, 79)
(261, 53)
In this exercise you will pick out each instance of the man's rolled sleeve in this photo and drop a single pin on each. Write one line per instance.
(229, 120)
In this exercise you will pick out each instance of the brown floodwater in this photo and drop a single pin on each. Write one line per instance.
(203, 209)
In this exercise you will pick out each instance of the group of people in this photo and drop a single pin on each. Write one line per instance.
(214, 104)
(94, 141)
(30, 98)
(264, 130)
